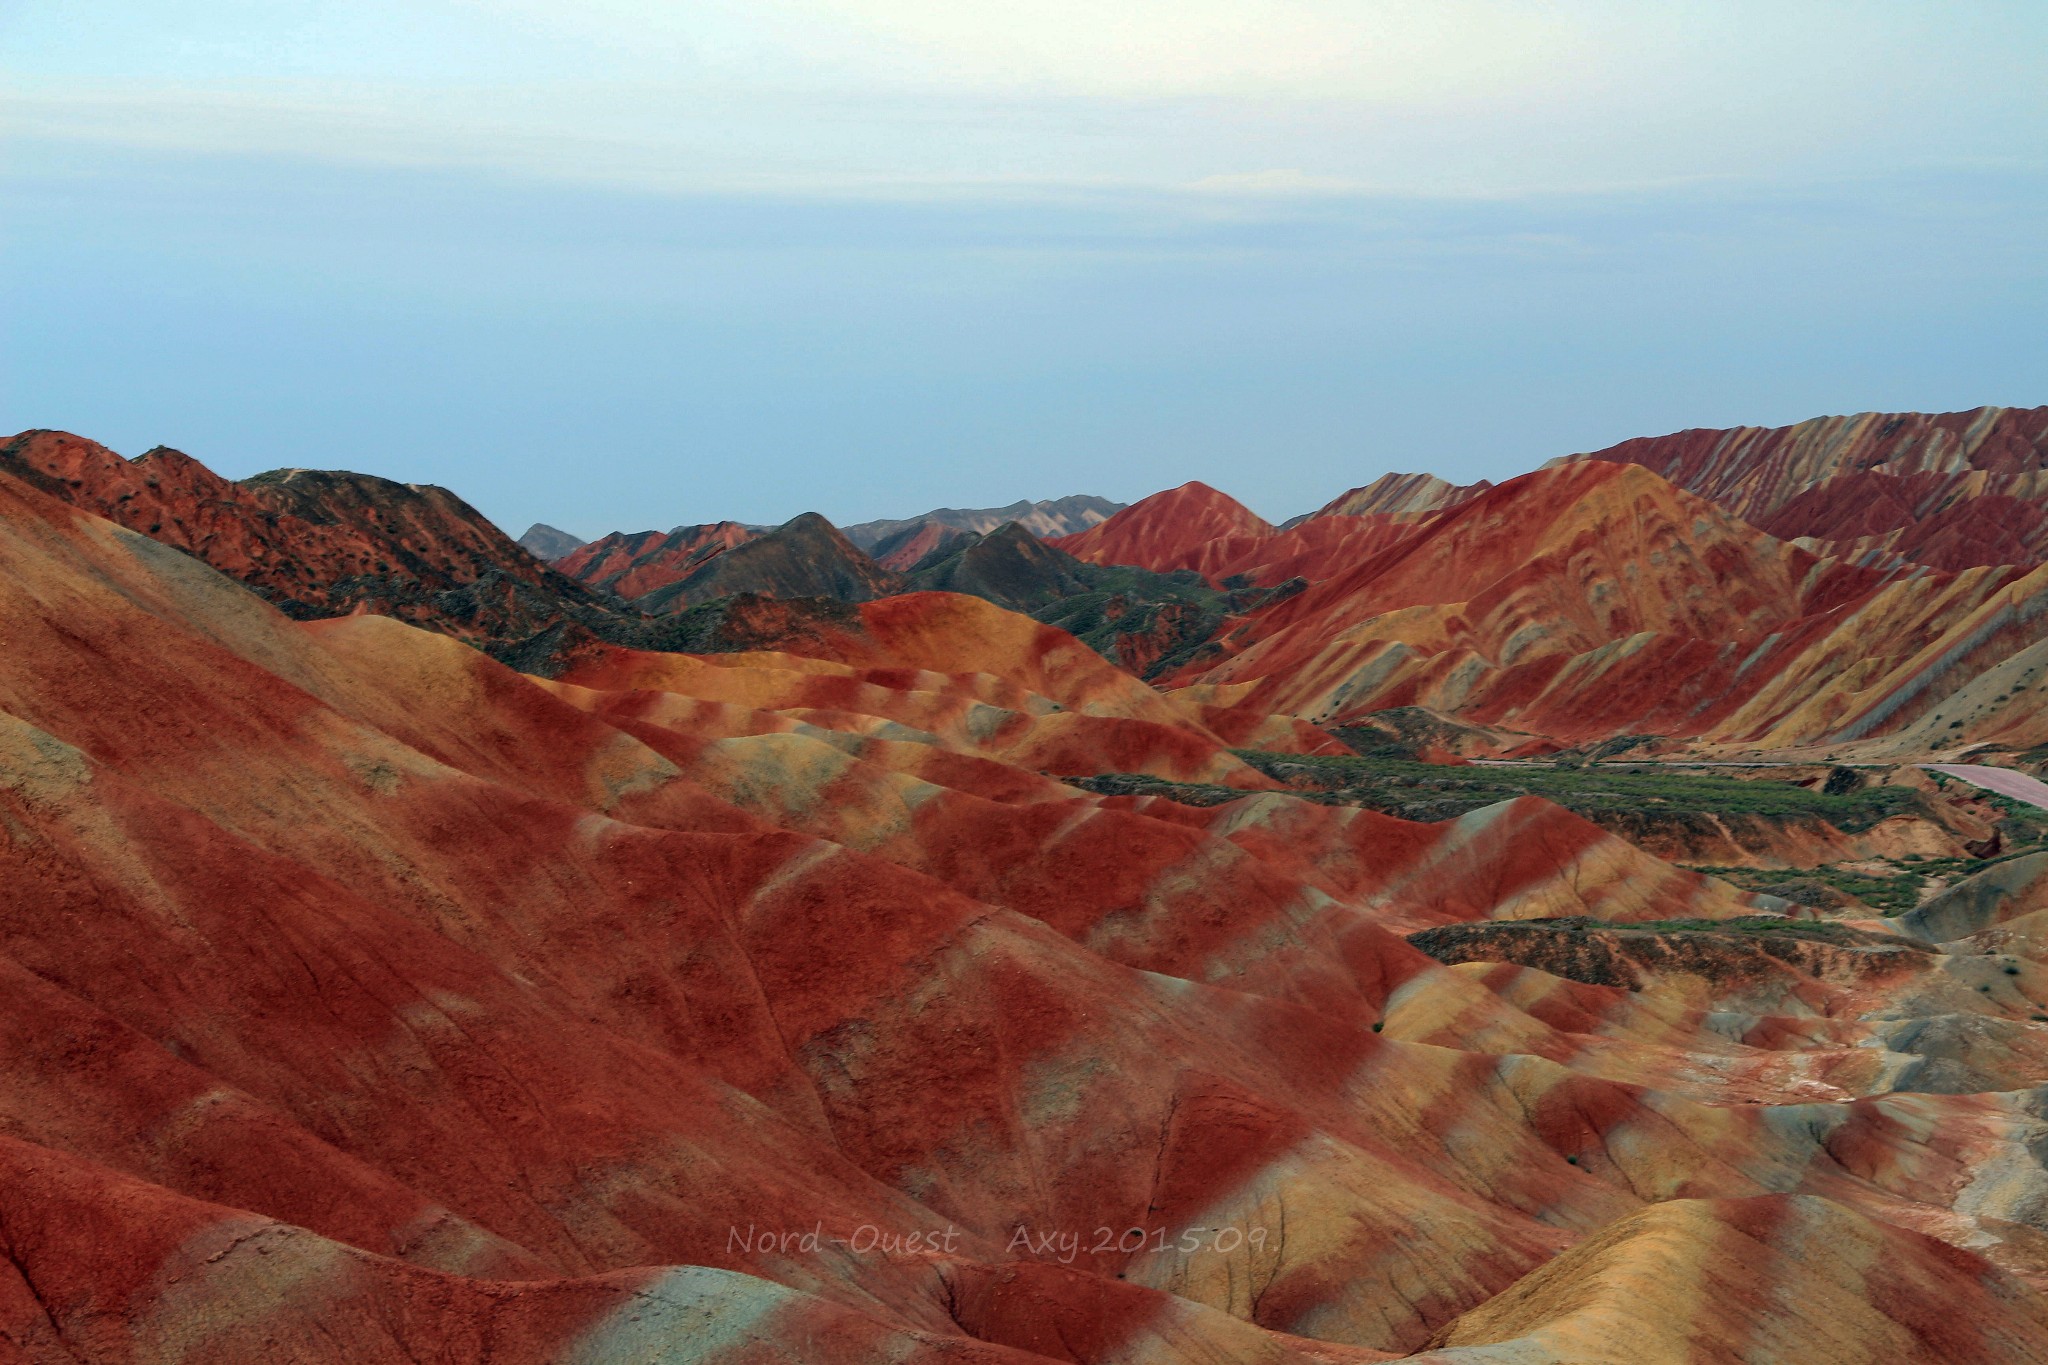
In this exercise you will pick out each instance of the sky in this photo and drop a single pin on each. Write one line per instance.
(617, 265)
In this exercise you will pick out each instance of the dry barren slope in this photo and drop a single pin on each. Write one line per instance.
(369, 1000)
(1592, 599)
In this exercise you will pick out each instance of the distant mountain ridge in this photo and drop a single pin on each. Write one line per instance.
(546, 543)
(806, 556)
(325, 544)
(632, 564)
(1954, 490)
(1588, 600)
(316, 542)
(1143, 619)
(1398, 495)
(1181, 528)
(898, 544)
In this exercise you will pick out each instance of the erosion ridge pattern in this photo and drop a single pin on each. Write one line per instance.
(371, 1000)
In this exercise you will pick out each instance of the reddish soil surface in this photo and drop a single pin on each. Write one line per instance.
(365, 1000)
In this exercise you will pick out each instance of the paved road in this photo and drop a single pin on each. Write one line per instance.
(2004, 781)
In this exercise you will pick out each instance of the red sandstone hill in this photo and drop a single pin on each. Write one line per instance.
(1195, 527)
(1573, 645)
(1955, 490)
(1488, 607)
(1399, 495)
(1593, 599)
(633, 564)
(905, 549)
(317, 543)
(1144, 620)
(296, 534)
(328, 544)
(1189, 527)
(1546, 607)
(805, 557)
(369, 1001)
(1951, 490)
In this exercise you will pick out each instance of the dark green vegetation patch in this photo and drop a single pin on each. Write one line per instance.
(1890, 893)
(1607, 954)
(1425, 791)
(1151, 623)
(1140, 784)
